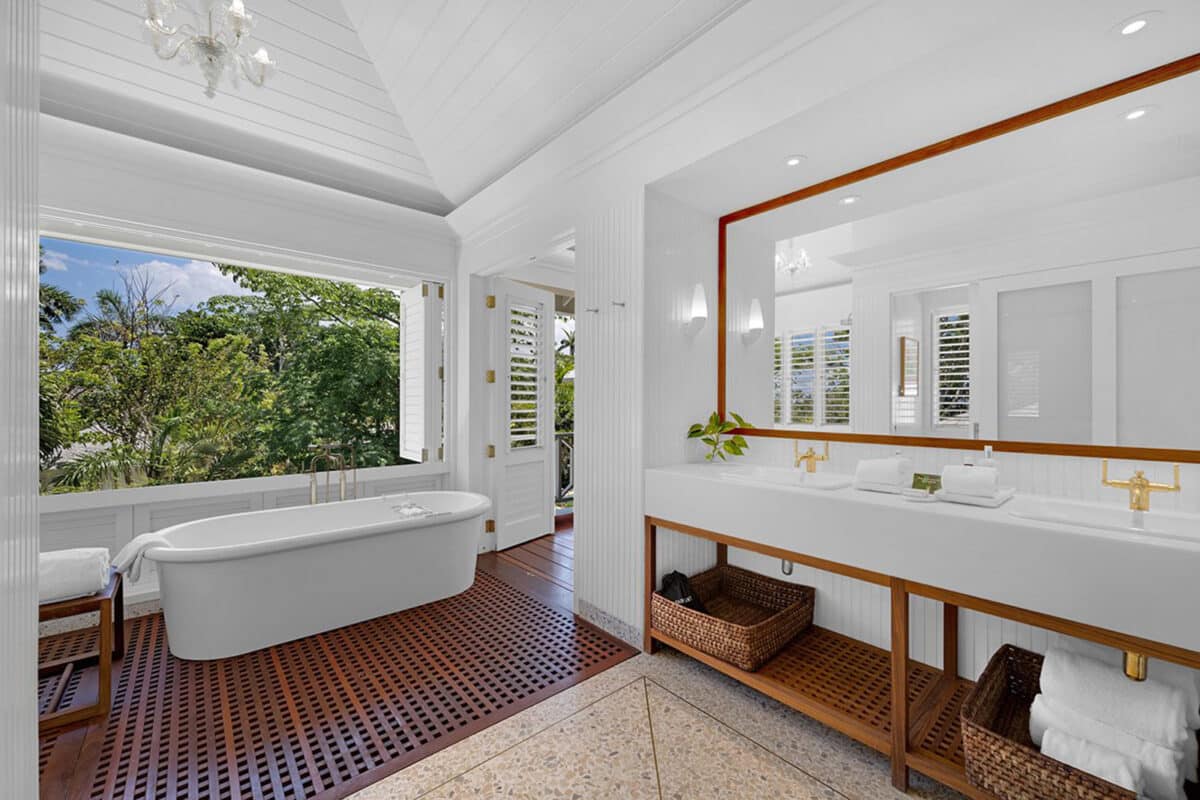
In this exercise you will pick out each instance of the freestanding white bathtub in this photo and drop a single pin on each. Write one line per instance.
(241, 582)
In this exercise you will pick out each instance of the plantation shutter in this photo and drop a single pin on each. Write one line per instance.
(952, 368)
(803, 367)
(420, 385)
(525, 410)
(777, 378)
(835, 376)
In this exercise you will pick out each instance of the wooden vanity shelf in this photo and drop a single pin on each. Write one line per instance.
(848, 684)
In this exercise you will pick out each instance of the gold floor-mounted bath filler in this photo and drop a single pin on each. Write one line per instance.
(1140, 487)
(809, 457)
(325, 454)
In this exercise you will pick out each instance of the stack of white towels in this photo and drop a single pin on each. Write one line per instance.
(64, 574)
(891, 475)
(1137, 735)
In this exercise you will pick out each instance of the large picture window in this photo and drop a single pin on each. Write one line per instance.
(812, 377)
(159, 370)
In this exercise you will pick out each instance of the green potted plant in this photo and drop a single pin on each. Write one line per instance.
(713, 434)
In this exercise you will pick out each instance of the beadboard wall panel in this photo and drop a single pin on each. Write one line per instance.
(18, 397)
(608, 412)
(681, 246)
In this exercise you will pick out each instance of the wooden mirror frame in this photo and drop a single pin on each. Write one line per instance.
(1101, 94)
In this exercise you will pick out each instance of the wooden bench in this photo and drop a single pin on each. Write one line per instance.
(110, 605)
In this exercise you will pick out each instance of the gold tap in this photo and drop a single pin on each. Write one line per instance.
(1135, 666)
(1140, 487)
(809, 458)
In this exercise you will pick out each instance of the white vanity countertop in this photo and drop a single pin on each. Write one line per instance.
(1137, 585)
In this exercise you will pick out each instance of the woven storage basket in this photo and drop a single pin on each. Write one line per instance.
(751, 617)
(1000, 755)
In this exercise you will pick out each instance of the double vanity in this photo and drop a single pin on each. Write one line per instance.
(1118, 577)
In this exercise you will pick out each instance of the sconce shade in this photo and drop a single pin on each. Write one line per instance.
(754, 326)
(699, 311)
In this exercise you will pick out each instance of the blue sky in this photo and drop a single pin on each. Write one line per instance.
(83, 269)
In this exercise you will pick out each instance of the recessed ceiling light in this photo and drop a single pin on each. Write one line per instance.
(849, 199)
(793, 161)
(1137, 113)
(1135, 24)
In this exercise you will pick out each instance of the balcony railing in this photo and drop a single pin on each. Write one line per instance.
(564, 489)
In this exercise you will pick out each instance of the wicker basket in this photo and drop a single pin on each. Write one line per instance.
(1000, 755)
(751, 617)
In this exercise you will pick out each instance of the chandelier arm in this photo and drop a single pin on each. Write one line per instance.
(249, 72)
(168, 54)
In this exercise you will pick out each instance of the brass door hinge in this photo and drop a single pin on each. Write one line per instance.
(424, 454)
(441, 373)
(424, 290)
(491, 451)
(441, 454)
(489, 526)
(441, 292)
(490, 301)
(490, 377)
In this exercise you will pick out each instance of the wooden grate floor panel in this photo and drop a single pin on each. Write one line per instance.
(845, 674)
(944, 735)
(324, 716)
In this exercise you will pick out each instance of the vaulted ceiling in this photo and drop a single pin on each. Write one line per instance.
(325, 116)
(484, 83)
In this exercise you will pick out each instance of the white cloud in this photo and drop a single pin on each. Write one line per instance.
(190, 283)
(55, 260)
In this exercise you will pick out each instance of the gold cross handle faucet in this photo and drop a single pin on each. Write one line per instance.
(808, 458)
(1140, 487)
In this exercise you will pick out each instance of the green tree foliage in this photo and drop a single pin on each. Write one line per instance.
(239, 386)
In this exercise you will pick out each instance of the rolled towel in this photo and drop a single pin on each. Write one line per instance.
(1148, 709)
(129, 559)
(895, 471)
(1161, 766)
(973, 481)
(63, 574)
(1105, 764)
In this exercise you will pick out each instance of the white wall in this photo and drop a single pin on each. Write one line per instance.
(18, 398)
(813, 308)
(749, 364)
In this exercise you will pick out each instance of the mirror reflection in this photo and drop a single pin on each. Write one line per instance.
(1038, 287)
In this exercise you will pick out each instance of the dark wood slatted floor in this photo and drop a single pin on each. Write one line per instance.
(327, 715)
(550, 557)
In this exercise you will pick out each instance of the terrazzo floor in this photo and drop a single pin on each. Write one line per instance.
(661, 726)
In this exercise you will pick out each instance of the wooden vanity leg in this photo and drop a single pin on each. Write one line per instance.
(899, 684)
(722, 554)
(950, 641)
(648, 643)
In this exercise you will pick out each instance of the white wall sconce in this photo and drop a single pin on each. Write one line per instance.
(754, 327)
(699, 312)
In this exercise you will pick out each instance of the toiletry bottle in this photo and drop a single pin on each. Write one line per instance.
(987, 460)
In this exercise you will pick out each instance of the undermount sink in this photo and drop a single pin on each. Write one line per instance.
(1161, 524)
(782, 476)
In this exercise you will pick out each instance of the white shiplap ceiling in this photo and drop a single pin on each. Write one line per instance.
(482, 84)
(325, 116)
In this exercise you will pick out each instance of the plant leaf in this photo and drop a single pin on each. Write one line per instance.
(695, 430)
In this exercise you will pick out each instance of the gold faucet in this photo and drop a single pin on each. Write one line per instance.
(1140, 487)
(809, 458)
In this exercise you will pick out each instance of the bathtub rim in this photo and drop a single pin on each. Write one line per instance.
(167, 553)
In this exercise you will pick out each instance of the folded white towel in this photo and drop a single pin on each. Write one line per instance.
(1106, 764)
(1160, 765)
(894, 471)
(1148, 709)
(63, 574)
(973, 481)
(1187, 679)
(129, 560)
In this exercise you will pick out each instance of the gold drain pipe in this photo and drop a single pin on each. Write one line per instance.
(1135, 666)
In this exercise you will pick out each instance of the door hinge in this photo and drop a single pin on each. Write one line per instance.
(424, 454)
(489, 526)
(490, 376)
(491, 451)
(441, 373)
(490, 301)
(441, 454)
(441, 292)
(424, 290)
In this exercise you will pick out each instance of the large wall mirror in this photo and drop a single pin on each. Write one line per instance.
(1040, 286)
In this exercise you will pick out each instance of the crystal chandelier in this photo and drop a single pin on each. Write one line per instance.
(790, 259)
(215, 39)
